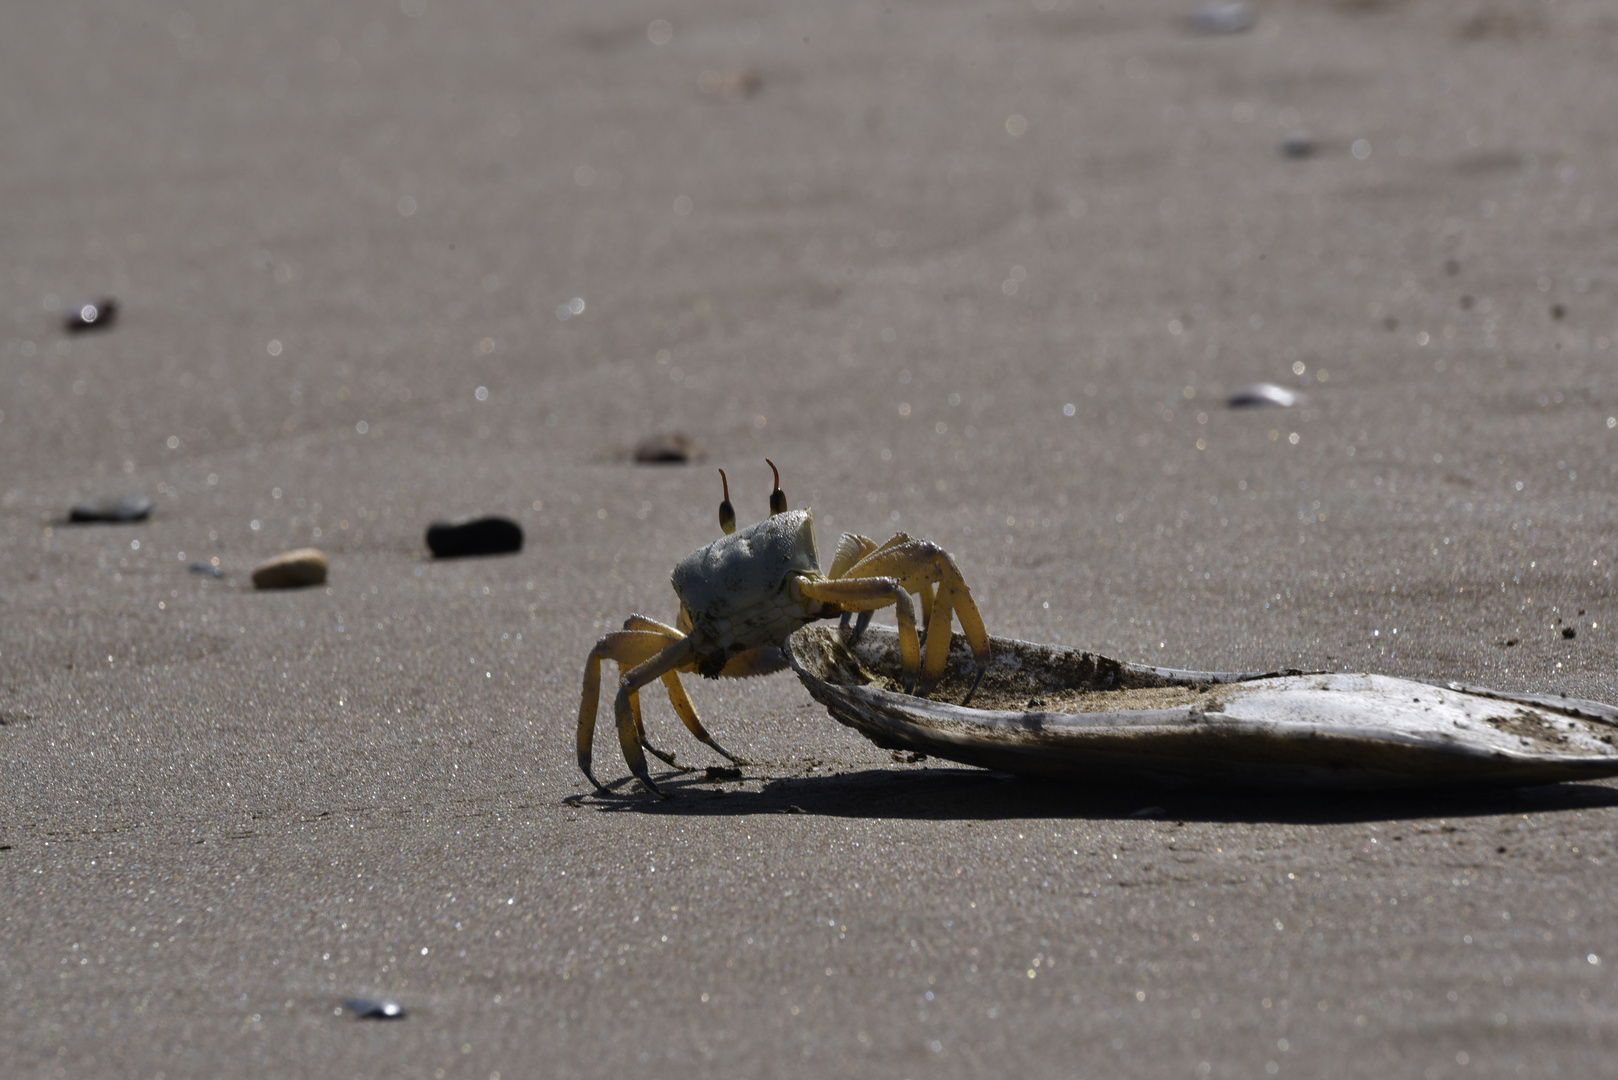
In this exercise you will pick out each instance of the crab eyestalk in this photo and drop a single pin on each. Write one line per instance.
(778, 498)
(727, 512)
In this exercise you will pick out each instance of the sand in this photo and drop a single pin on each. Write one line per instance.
(981, 272)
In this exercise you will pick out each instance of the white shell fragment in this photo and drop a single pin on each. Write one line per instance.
(1260, 394)
(1070, 715)
(374, 1008)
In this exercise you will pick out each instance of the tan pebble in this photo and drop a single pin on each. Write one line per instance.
(291, 570)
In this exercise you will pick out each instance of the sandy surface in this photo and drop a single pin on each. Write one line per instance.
(893, 246)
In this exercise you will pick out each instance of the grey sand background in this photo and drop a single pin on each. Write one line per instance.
(984, 272)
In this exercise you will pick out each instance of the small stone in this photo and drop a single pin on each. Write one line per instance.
(1221, 17)
(671, 449)
(1558, 312)
(1261, 394)
(1298, 145)
(291, 570)
(206, 568)
(1569, 633)
(119, 509)
(474, 536)
(96, 315)
(723, 772)
(374, 1009)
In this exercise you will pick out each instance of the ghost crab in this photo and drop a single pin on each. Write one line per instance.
(744, 594)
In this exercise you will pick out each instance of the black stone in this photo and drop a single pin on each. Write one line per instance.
(1298, 145)
(1569, 632)
(112, 510)
(671, 449)
(474, 536)
(374, 1009)
(96, 315)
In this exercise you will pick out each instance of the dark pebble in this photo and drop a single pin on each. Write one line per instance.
(474, 536)
(96, 315)
(374, 1009)
(1260, 394)
(1558, 311)
(206, 568)
(1569, 632)
(1298, 145)
(671, 449)
(723, 772)
(112, 510)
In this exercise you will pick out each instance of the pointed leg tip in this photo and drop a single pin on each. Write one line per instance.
(646, 781)
(968, 698)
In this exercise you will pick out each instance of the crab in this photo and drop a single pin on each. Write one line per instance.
(744, 594)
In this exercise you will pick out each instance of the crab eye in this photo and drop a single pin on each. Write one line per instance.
(727, 512)
(778, 498)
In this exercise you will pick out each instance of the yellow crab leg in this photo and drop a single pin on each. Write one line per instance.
(674, 657)
(927, 599)
(867, 594)
(851, 548)
(918, 563)
(739, 666)
(626, 648)
(937, 658)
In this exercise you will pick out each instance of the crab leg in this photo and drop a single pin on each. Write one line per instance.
(674, 657)
(937, 655)
(740, 666)
(851, 548)
(626, 648)
(918, 564)
(665, 756)
(863, 594)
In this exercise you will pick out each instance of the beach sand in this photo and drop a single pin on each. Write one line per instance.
(982, 272)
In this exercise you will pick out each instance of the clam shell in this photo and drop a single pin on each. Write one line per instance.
(1069, 715)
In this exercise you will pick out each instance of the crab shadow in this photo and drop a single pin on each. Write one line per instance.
(964, 794)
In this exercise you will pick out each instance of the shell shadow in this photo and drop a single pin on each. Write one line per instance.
(956, 794)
